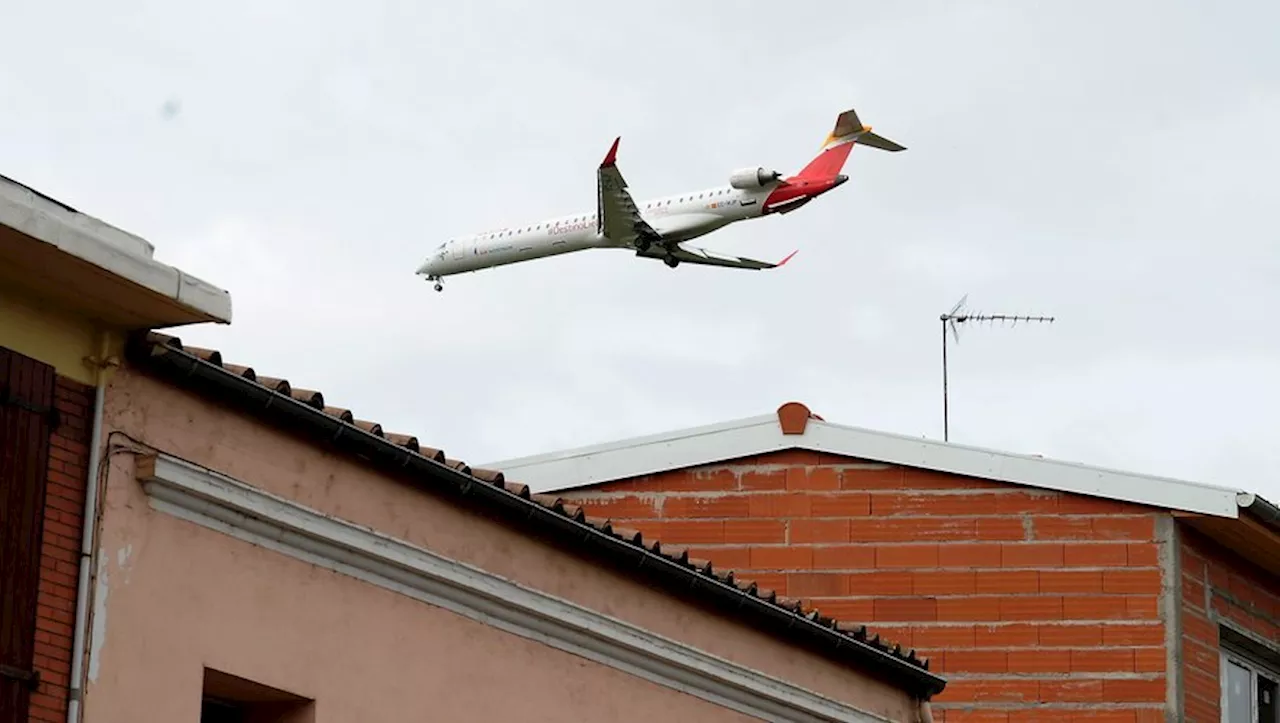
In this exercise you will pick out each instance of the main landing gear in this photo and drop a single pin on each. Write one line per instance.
(671, 261)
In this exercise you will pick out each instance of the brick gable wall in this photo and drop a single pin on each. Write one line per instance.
(1218, 587)
(1035, 605)
(60, 550)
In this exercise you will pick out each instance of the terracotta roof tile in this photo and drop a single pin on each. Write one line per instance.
(679, 555)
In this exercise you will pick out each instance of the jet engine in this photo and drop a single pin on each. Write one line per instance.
(752, 178)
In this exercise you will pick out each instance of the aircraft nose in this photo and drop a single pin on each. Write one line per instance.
(425, 268)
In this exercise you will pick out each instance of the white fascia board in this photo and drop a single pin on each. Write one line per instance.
(215, 501)
(109, 248)
(584, 466)
(760, 435)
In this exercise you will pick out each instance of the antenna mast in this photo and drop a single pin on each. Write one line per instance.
(954, 318)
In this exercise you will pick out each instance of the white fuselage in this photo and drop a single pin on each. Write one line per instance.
(677, 218)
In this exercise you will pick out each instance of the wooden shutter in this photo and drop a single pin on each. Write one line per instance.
(27, 419)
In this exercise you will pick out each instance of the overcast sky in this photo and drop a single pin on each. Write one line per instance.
(1111, 164)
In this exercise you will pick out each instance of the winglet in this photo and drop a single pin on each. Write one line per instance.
(788, 258)
(612, 156)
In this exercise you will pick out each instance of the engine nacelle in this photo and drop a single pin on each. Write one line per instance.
(752, 178)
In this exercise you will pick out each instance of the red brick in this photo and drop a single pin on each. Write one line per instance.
(1010, 635)
(911, 529)
(968, 609)
(1000, 528)
(808, 531)
(1142, 607)
(703, 480)
(1031, 555)
(1031, 502)
(1132, 635)
(882, 583)
(900, 634)
(1071, 581)
(1150, 660)
(841, 557)
(1007, 581)
(1040, 661)
(1099, 607)
(1087, 505)
(1131, 581)
(943, 636)
(784, 504)
(938, 582)
(1134, 691)
(817, 478)
(817, 584)
(1193, 593)
(1071, 691)
(969, 555)
(1144, 554)
(772, 480)
(1098, 554)
(1199, 656)
(972, 716)
(1197, 627)
(1102, 661)
(915, 478)
(905, 609)
(845, 504)
(1070, 635)
(909, 556)
(733, 558)
(1202, 683)
(1125, 528)
(845, 609)
(781, 558)
(1200, 710)
(701, 506)
(977, 661)
(689, 532)
(993, 691)
(887, 478)
(926, 503)
(1062, 528)
(1039, 607)
(754, 531)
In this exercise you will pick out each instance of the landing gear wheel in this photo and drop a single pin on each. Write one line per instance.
(671, 261)
(642, 245)
(439, 286)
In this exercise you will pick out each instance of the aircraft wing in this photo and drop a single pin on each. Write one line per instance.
(617, 215)
(691, 255)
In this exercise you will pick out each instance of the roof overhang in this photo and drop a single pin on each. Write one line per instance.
(795, 427)
(76, 263)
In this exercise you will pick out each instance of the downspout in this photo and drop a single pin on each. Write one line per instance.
(89, 527)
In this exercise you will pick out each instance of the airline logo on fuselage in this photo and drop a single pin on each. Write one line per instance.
(570, 227)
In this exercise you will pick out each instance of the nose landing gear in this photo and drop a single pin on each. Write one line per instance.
(439, 286)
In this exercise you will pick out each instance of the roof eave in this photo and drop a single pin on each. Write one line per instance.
(719, 444)
(54, 247)
(519, 510)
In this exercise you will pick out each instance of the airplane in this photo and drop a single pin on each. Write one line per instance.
(658, 228)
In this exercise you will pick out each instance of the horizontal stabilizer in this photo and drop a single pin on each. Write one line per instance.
(871, 139)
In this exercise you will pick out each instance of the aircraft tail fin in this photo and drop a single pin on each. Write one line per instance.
(848, 130)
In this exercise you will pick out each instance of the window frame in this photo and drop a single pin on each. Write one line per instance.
(1228, 655)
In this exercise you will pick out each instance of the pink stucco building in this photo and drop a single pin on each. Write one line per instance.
(265, 556)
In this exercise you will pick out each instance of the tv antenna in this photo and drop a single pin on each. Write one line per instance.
(953, 319)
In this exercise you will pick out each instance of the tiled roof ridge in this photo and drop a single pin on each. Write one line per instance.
(569, 510)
